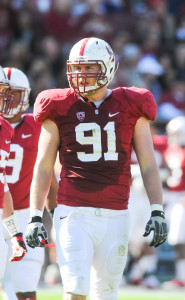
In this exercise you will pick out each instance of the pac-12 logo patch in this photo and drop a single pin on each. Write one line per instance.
(80, 115)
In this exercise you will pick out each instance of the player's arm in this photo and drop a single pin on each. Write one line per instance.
(143, 146)
(51, 201)
(8, 204)
(42, 175)
(10, 223)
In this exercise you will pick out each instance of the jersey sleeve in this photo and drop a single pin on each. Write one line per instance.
(44, 106)
(48, 104)
(142, 103)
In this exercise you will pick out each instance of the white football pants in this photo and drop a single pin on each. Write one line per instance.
(91, 246)
(3, 248)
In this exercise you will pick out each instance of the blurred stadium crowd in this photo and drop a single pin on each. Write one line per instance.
(147, 36)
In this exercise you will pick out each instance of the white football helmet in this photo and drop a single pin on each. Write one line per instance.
(6, 99)
(176, 131)
(91, 51)
(18, 81)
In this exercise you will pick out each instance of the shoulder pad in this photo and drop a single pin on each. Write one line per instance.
(50, 104)
(141, 102)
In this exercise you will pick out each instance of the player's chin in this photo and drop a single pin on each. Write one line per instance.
(85, 94)
(88, 93)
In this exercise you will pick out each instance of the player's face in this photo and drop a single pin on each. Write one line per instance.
(16, 103)
(17, 96)
(86, 75)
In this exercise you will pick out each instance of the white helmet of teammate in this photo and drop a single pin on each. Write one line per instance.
(91, 51)
(176, 131)
(6, 99)
(19, 81)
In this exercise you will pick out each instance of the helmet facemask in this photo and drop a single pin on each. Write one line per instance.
(7, 101)
(73, 76)
(19, 105)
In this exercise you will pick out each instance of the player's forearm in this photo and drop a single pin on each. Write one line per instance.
(39, 188)
(8, 205)
(153, 185)
(43, 170)
(51, 201)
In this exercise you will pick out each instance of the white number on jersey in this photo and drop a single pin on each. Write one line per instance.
(95, 141)
(3, 162)
(15, 163)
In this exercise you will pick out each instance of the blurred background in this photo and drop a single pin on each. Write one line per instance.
(147, 36)
(148, 39)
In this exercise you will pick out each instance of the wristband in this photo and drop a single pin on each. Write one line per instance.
(36, 213)
(158, 213)
(11, 225)
(156, 207)
(35, 219)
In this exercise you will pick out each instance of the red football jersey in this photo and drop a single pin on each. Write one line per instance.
(96, 143)
(175, 160)
(6, 133)
(23, 152)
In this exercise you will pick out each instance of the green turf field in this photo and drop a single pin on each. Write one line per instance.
(124, 294)
(122, 297)
(127, 296)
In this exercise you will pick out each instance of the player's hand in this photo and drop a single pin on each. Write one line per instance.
(18, 246)
(36, 234)
(157, 223)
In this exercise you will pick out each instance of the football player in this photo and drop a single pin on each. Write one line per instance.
(7, 216)
(19, 170)
(175, 160)
(94, 129)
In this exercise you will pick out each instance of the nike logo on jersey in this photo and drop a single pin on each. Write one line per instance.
(61, 218)
(25, 136)
(112, 115)
(7, 142)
